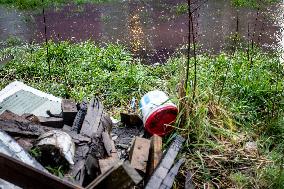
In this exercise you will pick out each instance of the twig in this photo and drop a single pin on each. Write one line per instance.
(45, 36)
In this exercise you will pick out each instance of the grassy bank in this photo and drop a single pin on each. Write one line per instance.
(237, 100)
(253, 3)
(36, 4)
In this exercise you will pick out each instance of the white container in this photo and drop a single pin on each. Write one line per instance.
(157, 112)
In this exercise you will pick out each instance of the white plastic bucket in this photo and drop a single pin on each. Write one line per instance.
(157, 112)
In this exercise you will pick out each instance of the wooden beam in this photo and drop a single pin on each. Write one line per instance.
(139, 154)
(16, 128)
(166, 163)
(54, 122)
(69, 111)
(155, 154)
(25, 176)
(109, 162)
(92, 118)
(170, 178)
(120, 176)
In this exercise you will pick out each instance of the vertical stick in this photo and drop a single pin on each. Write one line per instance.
(195, 60)
(253, 34)
(248, 49)
(45, 36)
(189, 42)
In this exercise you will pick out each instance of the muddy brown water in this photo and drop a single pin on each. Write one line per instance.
(152, 29)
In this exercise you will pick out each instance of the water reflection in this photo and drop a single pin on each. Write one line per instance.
(151, 29)
(137, 35)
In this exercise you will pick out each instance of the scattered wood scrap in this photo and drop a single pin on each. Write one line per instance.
(120, 176)
(26, 176)
(93, 117)
(170, 178)
(96, 126)
(79, 119)
(109, 162)
(165, 165)
(139, 154)
(155, 154)
(51, 121)
(96, 161)
(69, 111)
(17, 128)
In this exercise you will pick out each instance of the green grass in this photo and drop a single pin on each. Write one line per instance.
(109, 72)
(237, 101)
(36, 4)
(253, 3)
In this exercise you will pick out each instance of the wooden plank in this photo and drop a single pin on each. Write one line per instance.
(139, 154)
(25, 176)
(155, 154)
(77, 171)
(92, 119)
(8, 115)
(166, 163)
(170, 178)
(107, 163)
(107, 143)
(16, 128)
(69, 111)
(54, 122)
(77, 174)
(121, 175)
(79, 118)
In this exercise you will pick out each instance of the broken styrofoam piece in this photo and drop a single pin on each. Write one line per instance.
(60, 140)
(11, 148)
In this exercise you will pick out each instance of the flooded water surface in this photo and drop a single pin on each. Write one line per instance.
(152, 30)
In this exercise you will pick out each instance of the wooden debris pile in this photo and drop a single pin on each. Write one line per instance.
(87, 147)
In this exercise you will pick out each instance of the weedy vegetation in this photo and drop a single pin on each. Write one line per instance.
(236, 101)
(37, 4)
(253, 3)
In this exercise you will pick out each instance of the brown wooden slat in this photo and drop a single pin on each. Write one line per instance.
(25, 176)
(155, 154)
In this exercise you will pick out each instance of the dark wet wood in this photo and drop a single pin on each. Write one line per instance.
(54, 122)
(113, 158)
(25, 176)
(69, 111)
(79, 118)
(130, 119)
(92, 119)
(107, 142)
(121, 175)
(16, 128)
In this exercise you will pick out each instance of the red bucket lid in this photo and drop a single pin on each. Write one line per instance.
(157, 121)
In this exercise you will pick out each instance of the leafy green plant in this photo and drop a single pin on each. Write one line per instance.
(58, 171)
(252, 3)
(36, 4)
(35, 152)
(181, 8)
(221, 119)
